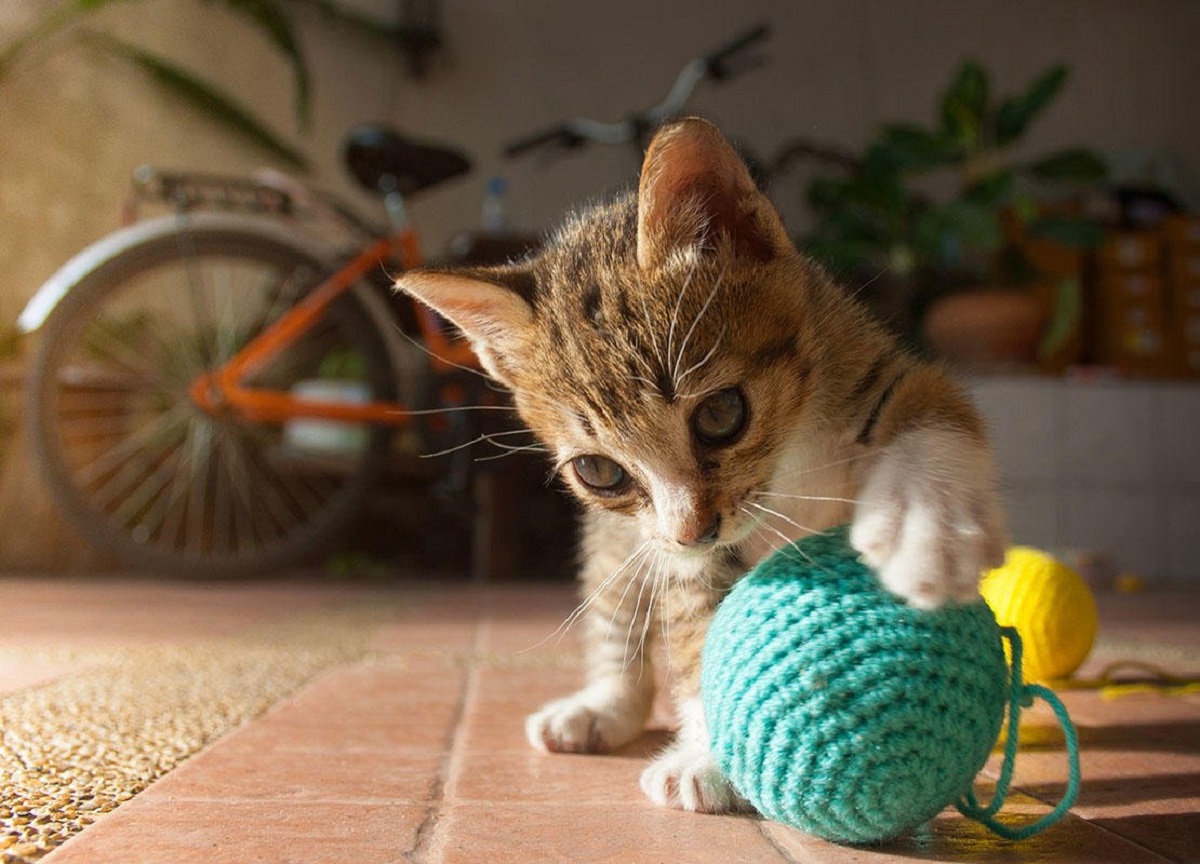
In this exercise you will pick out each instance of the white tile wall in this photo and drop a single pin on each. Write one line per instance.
(1110, 467)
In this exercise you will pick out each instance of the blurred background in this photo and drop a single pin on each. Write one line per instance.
(1008, 182)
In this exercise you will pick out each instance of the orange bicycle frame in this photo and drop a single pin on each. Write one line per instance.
(224, 388)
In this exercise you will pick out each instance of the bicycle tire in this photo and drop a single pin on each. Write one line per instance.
(143, 473)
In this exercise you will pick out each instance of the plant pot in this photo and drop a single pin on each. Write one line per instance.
(987, 329)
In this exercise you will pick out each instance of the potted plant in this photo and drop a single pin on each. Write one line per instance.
(941, 216)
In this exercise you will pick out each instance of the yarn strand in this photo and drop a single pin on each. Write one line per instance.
(1023, 695)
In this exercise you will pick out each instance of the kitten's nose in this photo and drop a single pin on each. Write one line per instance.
(703, 536)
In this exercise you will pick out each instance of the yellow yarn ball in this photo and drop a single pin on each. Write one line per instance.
(1050, 606)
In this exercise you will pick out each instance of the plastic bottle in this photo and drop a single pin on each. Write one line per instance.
(493, 218)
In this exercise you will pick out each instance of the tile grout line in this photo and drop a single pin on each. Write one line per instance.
(764, 832)
(426, 847)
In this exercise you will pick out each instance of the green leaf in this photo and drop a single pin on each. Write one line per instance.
(1064, 318)
(268, 16)
(1082, 233)
(964, 105)
(204, 97)
(1076, 165)
(995, 190)
(977, 225)
(905, 147)
(1017, 112)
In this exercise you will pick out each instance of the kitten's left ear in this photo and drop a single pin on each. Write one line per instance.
(490, 306)
(694, 187)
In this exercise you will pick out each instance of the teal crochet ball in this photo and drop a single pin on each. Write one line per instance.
(835, 708)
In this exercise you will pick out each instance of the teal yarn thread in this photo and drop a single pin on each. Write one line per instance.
(835, 708)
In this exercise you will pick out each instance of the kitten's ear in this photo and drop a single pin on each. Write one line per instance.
(694, 187)
(490, 306)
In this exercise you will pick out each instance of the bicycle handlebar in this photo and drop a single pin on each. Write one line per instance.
(716, 65)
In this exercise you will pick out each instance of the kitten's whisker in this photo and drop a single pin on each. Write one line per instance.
(638, 576)
(453, 409)
(653, 331)
(798, 497)
(590, 600)
(786, 519)
(638, 609)
(699, 364)
(416, 343)
(863, 287)
(810, 469)
(674, 321)
(647, 619)
(788, 546)
(667, 612)
(510, 451)
(487, 436)
(678, 360)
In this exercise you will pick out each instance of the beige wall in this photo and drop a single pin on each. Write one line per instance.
(73, 124)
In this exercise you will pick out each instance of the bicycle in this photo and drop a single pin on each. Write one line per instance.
(216, 390)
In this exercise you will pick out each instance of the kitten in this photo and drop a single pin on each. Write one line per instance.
(711, 395)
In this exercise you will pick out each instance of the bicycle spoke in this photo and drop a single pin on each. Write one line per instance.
(139, 499)
(102, 343)
(122, 453)
(198, 500)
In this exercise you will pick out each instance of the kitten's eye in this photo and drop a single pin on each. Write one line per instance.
(600, 474)
(721, 417)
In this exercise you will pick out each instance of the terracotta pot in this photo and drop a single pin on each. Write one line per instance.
(987, 329)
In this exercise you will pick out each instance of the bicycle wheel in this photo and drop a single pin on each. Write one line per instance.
(147, 475)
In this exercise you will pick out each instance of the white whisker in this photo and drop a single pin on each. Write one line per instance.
(798, 497)
(785, 518)
(486, 437)
(416, 343)
(678, 360)
(591, 598)
(675, 320)
(699, 364)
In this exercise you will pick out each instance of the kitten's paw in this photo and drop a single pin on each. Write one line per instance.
(590, 721)
(928, 520)
(687, 777)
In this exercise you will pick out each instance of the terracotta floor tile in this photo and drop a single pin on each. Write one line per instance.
(502, 698)
(164, 831)
(234, 770)
(529, 776)
(105, 611)
(407, 703)
(418, 634)
(617, 834)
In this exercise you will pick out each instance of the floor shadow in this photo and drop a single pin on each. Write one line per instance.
(1164, 736)
(1117, 791)
(647, 745)
(1173, 835)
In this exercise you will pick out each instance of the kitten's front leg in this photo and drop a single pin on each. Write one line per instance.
(928, 518)
(611, 710)
(607, 713)
(686, 775)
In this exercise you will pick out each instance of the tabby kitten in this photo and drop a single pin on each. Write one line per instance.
(711, 395)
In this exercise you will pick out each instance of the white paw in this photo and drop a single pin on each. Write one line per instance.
(686, 777)
(928, 520)
(590, 721)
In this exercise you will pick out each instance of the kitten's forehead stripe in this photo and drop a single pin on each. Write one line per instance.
(783, 349)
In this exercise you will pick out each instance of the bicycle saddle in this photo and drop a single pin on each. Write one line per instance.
(382, 161)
